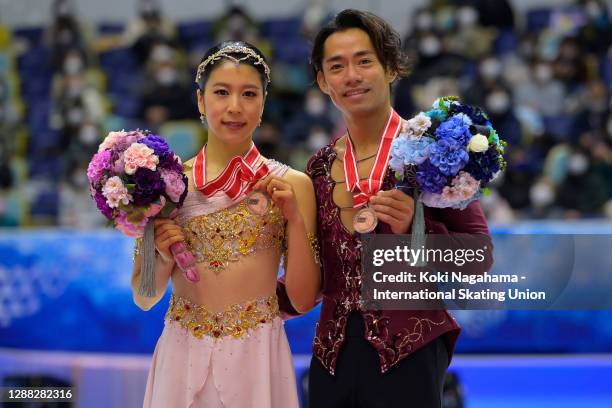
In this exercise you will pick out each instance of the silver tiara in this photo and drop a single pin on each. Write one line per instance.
(233, 49)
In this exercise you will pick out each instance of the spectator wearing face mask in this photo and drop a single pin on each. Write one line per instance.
(76, 99)
(469, 38)
(65, 34)
(429, 57)
(542, 92)
(592, 112)
(313, 119)
(570, 64)
(76, 208)
(165, 94)
(596, 34)
(236, 24)
(142, 33)
(584, 190)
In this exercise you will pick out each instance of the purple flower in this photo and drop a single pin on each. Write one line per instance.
(126, 141)
(448, 155)
(483, 166)
(182, 198)
(171, 162)
(175, 184)
(430, 178)
(454, 128)
(100, 162)
(149, 187)
(158, 144)
(102, 205)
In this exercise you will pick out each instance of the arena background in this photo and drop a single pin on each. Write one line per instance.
(70, 71)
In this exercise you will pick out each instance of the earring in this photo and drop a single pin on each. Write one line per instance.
(203, 118)
(259, 124)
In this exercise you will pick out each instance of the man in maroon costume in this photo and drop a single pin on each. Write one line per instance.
(362, 357)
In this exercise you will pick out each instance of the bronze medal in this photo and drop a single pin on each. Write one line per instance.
(257, 202)
(365, 221)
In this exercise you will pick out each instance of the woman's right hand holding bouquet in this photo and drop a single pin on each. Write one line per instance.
(167, 232)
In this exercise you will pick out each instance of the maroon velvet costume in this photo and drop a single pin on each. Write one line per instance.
(394, 334)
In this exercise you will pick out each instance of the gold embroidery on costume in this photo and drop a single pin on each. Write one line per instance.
(314, 247)
(137, 248)
(236, 320)
(223, 236)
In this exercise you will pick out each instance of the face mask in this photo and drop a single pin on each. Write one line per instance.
(73, 65)
(167, 76)
(498, 102)
(543, 73)
(161, 53)
(430, 46)
(317, 139)
(424, 22)
(315, 106)
(467, 16)
(88, 135)
(593, 10)
(490, 68)
(75, 116)
(577, 164)
(541, 194)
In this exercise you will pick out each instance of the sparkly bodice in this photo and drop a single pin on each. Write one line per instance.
(224, 236)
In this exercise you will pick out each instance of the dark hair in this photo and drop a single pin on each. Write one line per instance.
(248, 61)
(385, 39)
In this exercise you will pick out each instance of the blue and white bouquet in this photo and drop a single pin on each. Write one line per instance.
(447, 154)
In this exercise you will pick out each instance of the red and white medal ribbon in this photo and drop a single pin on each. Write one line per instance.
(238, 177)
(363, 189)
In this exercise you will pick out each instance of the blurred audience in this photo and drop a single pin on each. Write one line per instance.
(544, 77)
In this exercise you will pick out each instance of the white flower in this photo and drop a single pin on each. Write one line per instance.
(478, 143)
(115, 192)
(416, 126)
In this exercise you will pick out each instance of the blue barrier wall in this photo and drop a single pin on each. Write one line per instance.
(70, 290)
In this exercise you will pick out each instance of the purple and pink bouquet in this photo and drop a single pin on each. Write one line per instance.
(135, 177)
(449, 153)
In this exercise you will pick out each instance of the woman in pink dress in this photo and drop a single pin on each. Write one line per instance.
(224, 344)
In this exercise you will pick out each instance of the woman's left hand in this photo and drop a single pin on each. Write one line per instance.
(282, 195)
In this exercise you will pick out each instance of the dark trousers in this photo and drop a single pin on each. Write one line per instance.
(416, 381)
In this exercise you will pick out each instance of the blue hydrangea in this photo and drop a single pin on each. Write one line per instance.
(405, 151)
(448, 155)
(454, 128)
(464, 118)
(429, 178)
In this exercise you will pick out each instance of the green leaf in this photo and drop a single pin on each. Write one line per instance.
(167, 210)
(136, 215)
